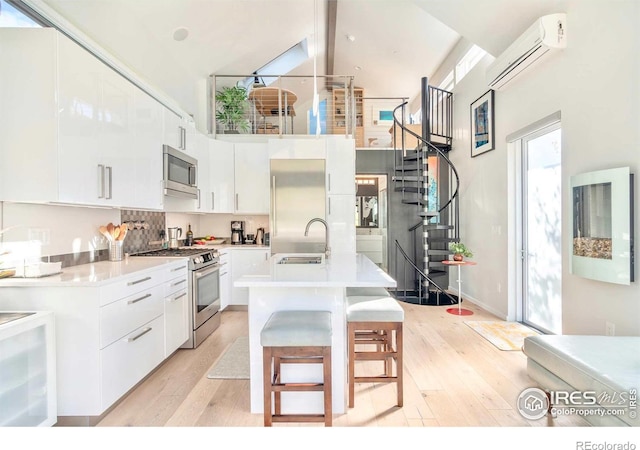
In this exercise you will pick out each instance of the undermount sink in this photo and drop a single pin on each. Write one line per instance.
(300, 260)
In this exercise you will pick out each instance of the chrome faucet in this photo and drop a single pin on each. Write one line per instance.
(327, 249)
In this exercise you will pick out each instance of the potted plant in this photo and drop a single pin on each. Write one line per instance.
(460, 251)
(232, 106)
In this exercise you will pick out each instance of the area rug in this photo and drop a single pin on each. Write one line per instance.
(504, 335)
(234, 362)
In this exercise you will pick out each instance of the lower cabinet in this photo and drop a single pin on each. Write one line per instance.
(243, 260)
(108, 336)
(176, 321)
(225, 278)
(130, 359)
(28, 371)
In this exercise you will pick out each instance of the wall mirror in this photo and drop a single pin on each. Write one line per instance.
(602, 225)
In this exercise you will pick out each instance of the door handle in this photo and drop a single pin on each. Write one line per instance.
(145, 331)
(109, 170)
(100, 180)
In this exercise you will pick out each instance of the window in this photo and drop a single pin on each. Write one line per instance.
(10, 16)
(448, 82)
(468, 61)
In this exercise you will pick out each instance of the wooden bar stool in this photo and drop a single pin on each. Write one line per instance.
(375, 321)
(295, 337)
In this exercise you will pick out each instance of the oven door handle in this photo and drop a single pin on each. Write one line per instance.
(202, 273)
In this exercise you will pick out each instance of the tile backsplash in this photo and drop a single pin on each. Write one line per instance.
(148, 226)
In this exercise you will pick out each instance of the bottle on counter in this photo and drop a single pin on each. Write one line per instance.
(189, 237)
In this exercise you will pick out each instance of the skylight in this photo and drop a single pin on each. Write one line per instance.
(282, 64)
(10, 17)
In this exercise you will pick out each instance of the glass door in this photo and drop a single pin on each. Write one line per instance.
(542, 230)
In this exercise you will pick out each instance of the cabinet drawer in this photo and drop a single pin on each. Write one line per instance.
(130, 285)
(175, 285)
(119, 318)
(128, 360)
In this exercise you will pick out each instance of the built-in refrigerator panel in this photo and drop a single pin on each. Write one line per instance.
(298, 195)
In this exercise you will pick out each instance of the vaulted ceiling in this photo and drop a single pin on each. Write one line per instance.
(394, 42)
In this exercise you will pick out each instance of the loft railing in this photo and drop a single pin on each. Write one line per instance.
(282, 105)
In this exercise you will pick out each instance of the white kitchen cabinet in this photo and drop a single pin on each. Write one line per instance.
(178, 132)
(200, 150)
(87, 142)
(173, 133)
(225, 278)
(149, 188)
(176, 309)
(109, 335)
(251, 173)
(28, 371)
(243, 260)
(341, 166)
(342, 223)
(221, 176)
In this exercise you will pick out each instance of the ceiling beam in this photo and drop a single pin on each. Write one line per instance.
(332, 13)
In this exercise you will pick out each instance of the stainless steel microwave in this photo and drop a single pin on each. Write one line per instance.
(180, 173)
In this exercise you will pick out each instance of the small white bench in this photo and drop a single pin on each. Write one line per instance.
(602, 364)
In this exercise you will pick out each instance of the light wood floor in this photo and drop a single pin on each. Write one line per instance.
(453, 377)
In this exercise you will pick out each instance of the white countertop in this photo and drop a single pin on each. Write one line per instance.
(353, 270)
(93, 274)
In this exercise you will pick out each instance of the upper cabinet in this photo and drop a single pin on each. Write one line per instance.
(221, 176)
(178, 132)
(341, 166)
(251, 178)
(96, 131)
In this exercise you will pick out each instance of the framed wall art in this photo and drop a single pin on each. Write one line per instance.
(482, 135)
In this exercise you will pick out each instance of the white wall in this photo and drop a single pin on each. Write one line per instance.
(594, 84)
(55, 230)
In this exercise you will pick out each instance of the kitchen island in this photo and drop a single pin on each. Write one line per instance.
(274, 286)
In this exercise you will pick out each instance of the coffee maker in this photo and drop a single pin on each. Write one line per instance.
(237, 232)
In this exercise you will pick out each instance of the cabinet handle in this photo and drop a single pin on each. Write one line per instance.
(178, 268)
(329, 183)
(199, 200)
(131, 302)
(275, 206)
(145, 331)
(329, 205)
(222, 264)
(184, 138)
(178, 296)
(213, 200)
(236, 202)
(179, 282)
(110, 179)
(131, 283)
(100, 180)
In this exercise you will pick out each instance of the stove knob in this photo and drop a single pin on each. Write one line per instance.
(199, 259)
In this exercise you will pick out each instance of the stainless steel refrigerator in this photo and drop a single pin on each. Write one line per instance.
(297, 195)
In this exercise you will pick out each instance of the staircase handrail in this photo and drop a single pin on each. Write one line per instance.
(433, 147)
(406, 257)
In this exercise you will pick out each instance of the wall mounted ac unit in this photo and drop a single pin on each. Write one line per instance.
(547, 35)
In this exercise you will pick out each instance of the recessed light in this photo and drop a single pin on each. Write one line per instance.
(357, 67)
(351, 37)
(180, 34)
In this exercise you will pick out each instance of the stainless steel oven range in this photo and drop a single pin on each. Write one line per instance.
(204, 290)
